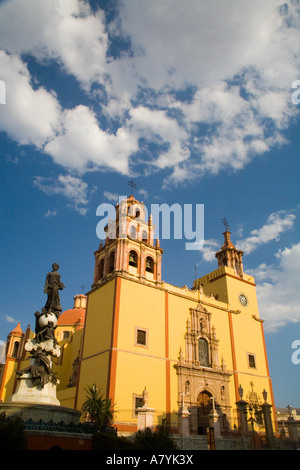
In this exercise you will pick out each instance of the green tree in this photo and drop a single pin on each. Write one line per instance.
(97, 409)
(12, 433)
(159, 439)
(110, 441)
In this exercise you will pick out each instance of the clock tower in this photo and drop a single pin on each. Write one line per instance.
(236, 290)
(229, 283)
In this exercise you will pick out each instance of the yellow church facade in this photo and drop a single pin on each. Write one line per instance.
(188, 348)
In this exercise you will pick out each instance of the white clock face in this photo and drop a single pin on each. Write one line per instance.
(243, 300)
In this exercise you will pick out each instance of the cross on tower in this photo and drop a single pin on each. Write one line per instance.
(132, 185)
(225, 223)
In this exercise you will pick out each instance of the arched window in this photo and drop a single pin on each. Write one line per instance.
(132, 232)
(111, 262)
(149, 264)
(101, 269)
(133, 259)
(145, 236)
(203, 352)
(15, 349)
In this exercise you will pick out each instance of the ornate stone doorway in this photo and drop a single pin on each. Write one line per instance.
(200, 376)
(204, 406)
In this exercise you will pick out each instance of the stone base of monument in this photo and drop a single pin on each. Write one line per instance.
(34, 412)
(145, 417)
(28, 393)
(51, 426)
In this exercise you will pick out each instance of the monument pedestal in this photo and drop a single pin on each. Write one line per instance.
(184, 421)
(145, 417)
(26, 392)
(41, 412)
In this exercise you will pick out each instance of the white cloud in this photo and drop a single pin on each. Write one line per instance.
(206, 46)
(209, 250)
(144, 193)
(82, 145)
(10, 319)
(111, 196)
(209, 41)
(277, 223)
(50, 213)
(238, 58)
(29, 116)
(64, 30)
(156, 127)
(278, 289)
(71, 187)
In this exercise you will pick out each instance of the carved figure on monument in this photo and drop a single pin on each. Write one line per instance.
(37, 382)
(53, 285)
(46, 321)
(40, 369)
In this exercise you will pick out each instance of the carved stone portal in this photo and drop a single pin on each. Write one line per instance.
(203, 384)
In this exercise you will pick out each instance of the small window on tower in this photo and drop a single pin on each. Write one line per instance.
(15, 349)
(111, 262)
(133, 232)
(139, 402)
(141, 337)
(251, 361)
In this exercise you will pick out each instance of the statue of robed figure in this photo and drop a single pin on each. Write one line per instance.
(53, 285)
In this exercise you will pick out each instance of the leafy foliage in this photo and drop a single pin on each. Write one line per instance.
(159, 439)
(110, 441)
(97, 409)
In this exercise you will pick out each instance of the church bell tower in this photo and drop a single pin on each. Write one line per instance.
(228, 255)
(129, 247)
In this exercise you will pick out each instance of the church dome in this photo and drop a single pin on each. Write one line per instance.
(75, 315)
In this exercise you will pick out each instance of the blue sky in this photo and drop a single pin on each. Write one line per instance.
(192, 100)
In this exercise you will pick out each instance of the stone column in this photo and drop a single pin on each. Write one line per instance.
(292, 428)
(184, 421)
(183, 416)
(213, 420)
(266, 408)
(242, 414)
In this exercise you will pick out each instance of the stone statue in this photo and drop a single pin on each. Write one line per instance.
(52, 286)
(44, 345)
(40, 369)
(38, 382)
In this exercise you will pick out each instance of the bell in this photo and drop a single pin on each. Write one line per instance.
(148, 264)
(132, 259)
